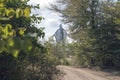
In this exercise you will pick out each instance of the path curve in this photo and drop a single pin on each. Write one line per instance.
(82, 74)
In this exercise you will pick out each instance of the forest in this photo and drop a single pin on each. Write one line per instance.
(94, 28)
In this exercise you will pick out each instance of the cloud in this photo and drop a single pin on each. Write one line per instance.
(42, 3)
(52, 19)
(51, 25)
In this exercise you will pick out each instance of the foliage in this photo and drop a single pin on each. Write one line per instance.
(22, 57)
(55, 50)
(94, 25)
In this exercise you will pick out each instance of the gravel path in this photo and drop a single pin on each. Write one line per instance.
(85, 74)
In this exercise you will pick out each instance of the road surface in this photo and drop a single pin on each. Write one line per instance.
(85, 74)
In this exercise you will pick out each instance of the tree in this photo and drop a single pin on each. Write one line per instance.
(56, 50)
(94, 24)
(20, 53)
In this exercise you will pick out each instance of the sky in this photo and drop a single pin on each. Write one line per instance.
(52, 19)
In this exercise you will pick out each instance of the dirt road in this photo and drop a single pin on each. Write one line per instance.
(85, 74)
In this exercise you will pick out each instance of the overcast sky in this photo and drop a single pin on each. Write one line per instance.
(52, 19)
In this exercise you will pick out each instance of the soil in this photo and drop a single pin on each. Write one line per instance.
(72, 73)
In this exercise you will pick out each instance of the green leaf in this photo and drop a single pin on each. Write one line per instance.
(7, 28)
(11, 42)
(10, 12)
(26, 45)
(21, 31)
(15, 53)
(19, 13)
(117, 21)
(12, 33)
(1, 5)
(27, 12)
